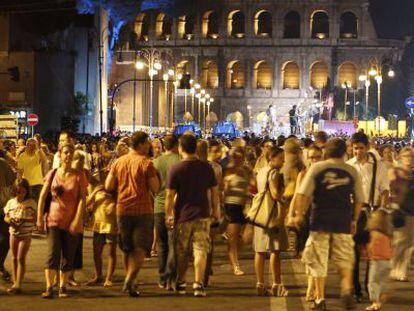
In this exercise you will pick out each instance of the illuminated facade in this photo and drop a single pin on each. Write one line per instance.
(254, 54)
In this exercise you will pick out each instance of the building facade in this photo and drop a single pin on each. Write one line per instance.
(250, 54)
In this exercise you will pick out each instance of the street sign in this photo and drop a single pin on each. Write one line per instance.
(409, 103)
(32, 119)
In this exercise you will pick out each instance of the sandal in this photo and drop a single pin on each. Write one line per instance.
(108, 284)
(48, 294)
(279, 290)
(73, 283)
(94, 281)
(261, 289)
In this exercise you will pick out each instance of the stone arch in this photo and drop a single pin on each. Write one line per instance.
(182, 67)
(235, 75)
(348, 26)
(292, 25)
(319, 74)
(163, 26)
(348, 73)
(142, 26)
(210, 25)
(185, 27)
(290, 75)
(262, 75)
(263, 24)
(319, 25)
(210, 75)
(236, 24)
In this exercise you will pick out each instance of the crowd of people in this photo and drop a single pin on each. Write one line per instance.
(345, 199)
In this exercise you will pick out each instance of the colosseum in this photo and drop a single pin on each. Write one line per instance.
(247, 55)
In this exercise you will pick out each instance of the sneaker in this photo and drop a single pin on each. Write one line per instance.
(199, 290)
(321, 305)
(348, 302)
(180, 288)
(162, 284)
(63, 292)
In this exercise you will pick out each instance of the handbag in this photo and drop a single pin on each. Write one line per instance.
(49, 196)
(265, 212)
(362, 233)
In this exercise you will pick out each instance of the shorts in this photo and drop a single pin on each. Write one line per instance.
(318, 247)
(136, 232)
(195, 233)
(104, 238)
(266, 240)
(234, 214)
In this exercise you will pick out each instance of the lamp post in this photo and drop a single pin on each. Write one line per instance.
(152, 60)
(192, 92)
(249, 109)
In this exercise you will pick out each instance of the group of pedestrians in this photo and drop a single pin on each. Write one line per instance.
(169, 197)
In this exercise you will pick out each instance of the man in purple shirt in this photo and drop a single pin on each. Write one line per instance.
(188, 211)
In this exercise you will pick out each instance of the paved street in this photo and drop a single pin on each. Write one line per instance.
(226, 293)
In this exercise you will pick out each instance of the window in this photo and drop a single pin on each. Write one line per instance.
(163, 27)
(349, 26)
(318, 75)
(347, 74)
(210, 77)
(262, 75)
(236, 24)
(291, 75)
(292, 25)
(210, 25)
(186, 27)
(235, 75)
(142, 25)
(320, 25)
(263, 24)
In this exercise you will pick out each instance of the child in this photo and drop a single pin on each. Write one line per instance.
(101, 205)
(379, 253)
(20, 213)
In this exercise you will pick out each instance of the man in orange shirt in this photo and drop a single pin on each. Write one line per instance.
(135, 179)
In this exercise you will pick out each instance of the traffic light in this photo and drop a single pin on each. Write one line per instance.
(14, 73)
(185, 81)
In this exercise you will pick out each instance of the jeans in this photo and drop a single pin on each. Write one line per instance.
(165, 248)
(61, 249)
(378, 278)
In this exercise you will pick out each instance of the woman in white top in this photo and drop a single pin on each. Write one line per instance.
(265, 241)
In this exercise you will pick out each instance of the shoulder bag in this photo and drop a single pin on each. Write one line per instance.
(265, 212)
(49, 197)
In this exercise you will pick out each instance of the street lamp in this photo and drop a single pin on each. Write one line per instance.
(165, 77)
(192, 92)
(152, 60)
(345, 86)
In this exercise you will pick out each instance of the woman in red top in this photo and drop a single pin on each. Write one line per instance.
(64, 220)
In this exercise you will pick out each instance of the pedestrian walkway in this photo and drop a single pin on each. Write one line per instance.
(227, 292)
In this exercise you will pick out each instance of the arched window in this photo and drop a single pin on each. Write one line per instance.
(186, 27)
(292, 25)
(142, 26)
(182, 67)
(318, 75)
(235, 75)
(347, 73)
(236, 24)
(320, 25)
(262, 75)
(210, 78)
(210, 25)
(163, 28)
(263, 24)
(291, 75)
(349, 26)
